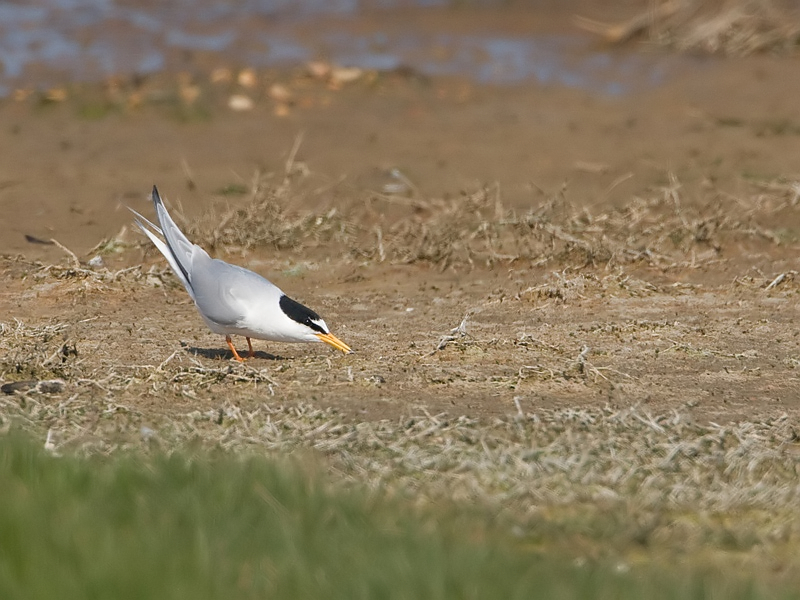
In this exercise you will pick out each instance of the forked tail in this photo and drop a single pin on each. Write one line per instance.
(175, 247)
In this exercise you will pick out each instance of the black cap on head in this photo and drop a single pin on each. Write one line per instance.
(301, 314)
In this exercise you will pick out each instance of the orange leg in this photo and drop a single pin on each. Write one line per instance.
(249, 345)
(235, 353)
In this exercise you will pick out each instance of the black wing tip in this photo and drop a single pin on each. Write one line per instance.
(156, 195)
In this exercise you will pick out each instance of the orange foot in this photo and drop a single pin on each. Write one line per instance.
(235, 353)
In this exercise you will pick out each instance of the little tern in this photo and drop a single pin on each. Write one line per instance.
(233, 300)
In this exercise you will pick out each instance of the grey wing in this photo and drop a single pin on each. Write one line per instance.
(226, 294)
(150, 230)
(176, 248)
(181, 249)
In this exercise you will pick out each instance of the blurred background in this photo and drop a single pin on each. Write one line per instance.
(50, 42)
(102, 98)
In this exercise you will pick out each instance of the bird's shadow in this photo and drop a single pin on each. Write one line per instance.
(225, 354)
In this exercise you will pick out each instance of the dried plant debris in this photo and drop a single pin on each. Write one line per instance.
(732, 27)
(475, 229)
(34, 353)
(265, 221)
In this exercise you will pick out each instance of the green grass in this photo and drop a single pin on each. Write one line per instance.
(218, 526)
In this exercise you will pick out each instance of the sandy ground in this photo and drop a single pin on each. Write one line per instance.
(621, 253)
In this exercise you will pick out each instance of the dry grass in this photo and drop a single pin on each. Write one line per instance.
(731, 27)
(662, 229)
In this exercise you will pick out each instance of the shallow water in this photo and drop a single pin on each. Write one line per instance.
(59, 41)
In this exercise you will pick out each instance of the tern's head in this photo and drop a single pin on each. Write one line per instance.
(313, 328)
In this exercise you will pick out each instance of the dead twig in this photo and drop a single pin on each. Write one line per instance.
(780, 279)
(455, 334)
(76, 263)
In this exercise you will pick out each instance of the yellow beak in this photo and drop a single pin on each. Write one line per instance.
(331, 339)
